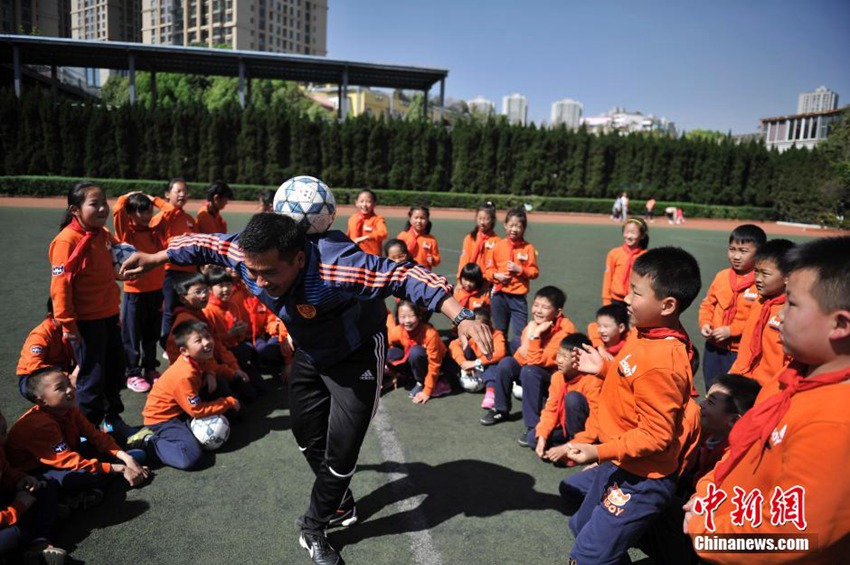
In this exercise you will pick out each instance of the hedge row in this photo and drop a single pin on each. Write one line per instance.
(57, 186)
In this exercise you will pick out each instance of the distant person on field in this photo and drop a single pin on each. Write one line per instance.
(649, 213)
(266, 200)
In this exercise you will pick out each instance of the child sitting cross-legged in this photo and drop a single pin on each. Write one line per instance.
(416, 346)
(468, 361)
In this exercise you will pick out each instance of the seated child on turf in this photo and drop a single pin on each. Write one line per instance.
(609, 332)
(472, 290)
(760, 355)
(532, 364)
(791, 446)
(28, 509)
(182, 393)
(48, 439)
(395, 250)
(469, 360)
(572, 397)
(416, 346)
(194, 293)
(641, 413)
(45, 347)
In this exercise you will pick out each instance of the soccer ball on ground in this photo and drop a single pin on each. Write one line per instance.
(211, 432)
(308, 201)
(471, 381)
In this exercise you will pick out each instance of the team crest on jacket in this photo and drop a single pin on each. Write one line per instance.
(307, 311)
(57, 270)
(615, 500)
(625, 369)
(60, 447)
(194, 400)
(37, 350)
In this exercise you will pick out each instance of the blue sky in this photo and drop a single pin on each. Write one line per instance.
(716, 64)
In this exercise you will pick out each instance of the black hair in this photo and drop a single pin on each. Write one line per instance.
(574, 341)
(32, 388)
(643, 238)
(267, 231)
(490, 209)
(218, 275)
(517, 212)
(420, 313)
(775, 251)
(616, 312)
(267, 197)
(76, 197)
(369, 192)
(829, 257)
(423, 208)
(174, 181)
(472, 272)
(553, 294)
(218, 188)
(673, 272)
(742, 392)
(483, 312)
(748, 233)
(390, 243)
(138, 202)
(184, 330)
(182, 285)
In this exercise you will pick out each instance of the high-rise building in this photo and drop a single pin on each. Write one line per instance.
(567, 112)
(105, 20)
(36, 17)
(821, 100)
(481, 105)
(278, 26)
(515, 107)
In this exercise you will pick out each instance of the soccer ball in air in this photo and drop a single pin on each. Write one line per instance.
(211, 432)
(308, 201)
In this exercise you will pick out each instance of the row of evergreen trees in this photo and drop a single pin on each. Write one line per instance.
(40, 135)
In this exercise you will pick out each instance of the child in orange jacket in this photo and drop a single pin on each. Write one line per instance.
(421, 245)
(723, 313)
(366, 228)
(784, 453)
(209, 218)
(512, 268)
(86, 303)
(48, 440)
(609, 332)
(479, 243)
(760, 355)
(619, 262)
(468, 363)
(181, 394)
(45, 347)
(641, 414)
(416, 346)
(472, 290)
(532, 364)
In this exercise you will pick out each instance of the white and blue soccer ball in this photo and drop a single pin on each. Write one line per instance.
(308, 201)
(211, 432)
(120, 253)
(471, 381)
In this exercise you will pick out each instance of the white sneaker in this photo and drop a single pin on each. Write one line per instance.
(517, 391)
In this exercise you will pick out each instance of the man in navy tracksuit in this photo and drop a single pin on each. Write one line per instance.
(330, 295)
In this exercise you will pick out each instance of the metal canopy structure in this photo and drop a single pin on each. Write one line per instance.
(18, 50)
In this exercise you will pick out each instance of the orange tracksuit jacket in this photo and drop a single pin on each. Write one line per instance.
(808, 448)
(428, 338)
(223, 363)
(175, 222)
(9, 478)
(499, 350)
(92, 294)
(616, 263)
(41, 438)
(773, 357)
(472, 300)
(543, 351)
(642, 406)
(553, 413)
(484, 258)
(177, 392)
(221, 316)
(148, 240)
(524, 256)
(374, 227)
(717, 302)
(44, 347)
(427, 250)
(207, 222)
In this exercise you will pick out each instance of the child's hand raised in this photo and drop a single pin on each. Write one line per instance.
(582, 453)
(587, 360)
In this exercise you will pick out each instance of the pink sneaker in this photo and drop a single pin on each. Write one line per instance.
(489, 399)
(442, 388)
(138, 384)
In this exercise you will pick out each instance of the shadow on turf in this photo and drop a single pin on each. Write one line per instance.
(255, 423)
(467, 487)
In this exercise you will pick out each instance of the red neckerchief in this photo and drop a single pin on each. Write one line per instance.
(408, 340)
(631, 255)
(738, 287)
(480, 240)
(464, 296)
(615, 349)
(758, 422)
(197, 314)
(358, 224)
(229, 318)
(677, 333)
(77, 261)
(255, 308)
(514, 246)
(756, 348)
(413, 247)
(194, 364)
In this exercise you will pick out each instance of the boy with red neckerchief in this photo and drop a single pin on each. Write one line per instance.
(760, 355)
(723, 313)
(609, 332)
(789, 446)
(640, 421)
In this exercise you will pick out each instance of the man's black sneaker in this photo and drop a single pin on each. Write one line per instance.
(493, 416)
(321, 552)
(346, 514)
